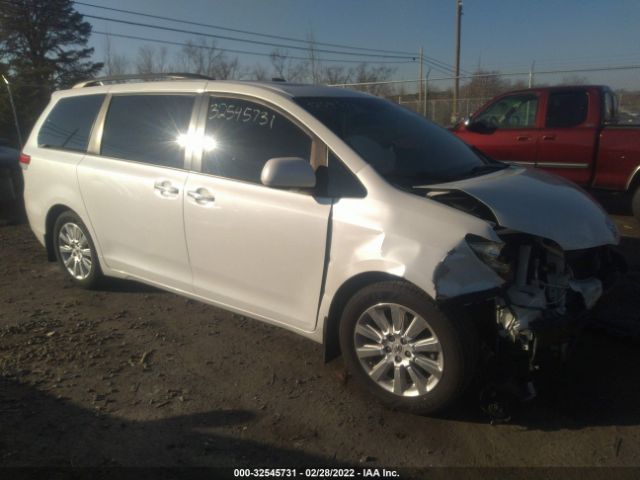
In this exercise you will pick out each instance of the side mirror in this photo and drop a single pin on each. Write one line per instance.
(480, 126)
(288, 172)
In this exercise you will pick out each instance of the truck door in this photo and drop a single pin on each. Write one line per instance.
(568, 136)
(515, 137)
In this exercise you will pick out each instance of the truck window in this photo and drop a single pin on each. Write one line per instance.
(609, 108)
(567, 109)
(512, 111)
(69, 124)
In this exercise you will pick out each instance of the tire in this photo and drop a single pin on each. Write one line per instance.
(75, 251)
(635, 204)
(433, 351)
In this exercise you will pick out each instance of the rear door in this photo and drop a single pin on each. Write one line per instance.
(133, 186)
(515, 139)
(257, 249)
(568, 136)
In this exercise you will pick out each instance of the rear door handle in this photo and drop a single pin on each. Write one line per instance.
(548, 137)
(165, 188)
(523, 138)
(201, 196)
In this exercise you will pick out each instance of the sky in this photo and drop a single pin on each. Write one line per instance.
(496, 34)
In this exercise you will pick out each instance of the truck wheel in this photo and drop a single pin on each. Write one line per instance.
(635, 204)
(75, 251)
(404, 350)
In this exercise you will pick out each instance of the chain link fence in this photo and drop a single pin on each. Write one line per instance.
(434, 97)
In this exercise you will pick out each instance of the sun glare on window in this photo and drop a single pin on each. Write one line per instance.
(207, 143)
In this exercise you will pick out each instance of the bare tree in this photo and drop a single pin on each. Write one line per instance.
(315, 66)
(333, 75)
(114, 63)
(485, 84)
(374, 75)
(574, 80)
(205, 58)
(152, 60)
(259, 72)
(287, 68)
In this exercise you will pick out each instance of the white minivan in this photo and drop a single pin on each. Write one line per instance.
(337, 215)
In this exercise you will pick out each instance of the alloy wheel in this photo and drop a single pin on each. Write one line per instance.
(398, 350)
(75, 252)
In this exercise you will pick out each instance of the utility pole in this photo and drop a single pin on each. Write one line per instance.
(456, 84)
(13, 109)
(533, 65)
(421, 53)
(425, 97)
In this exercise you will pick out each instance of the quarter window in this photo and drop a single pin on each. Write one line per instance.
(337, 181)
(567, 109)
(513, 111)
(147, 128)
(242, 136)
(69, 124)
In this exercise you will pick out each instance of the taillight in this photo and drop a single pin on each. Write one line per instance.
(25, 159)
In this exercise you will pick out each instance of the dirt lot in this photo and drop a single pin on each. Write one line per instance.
(134, 376)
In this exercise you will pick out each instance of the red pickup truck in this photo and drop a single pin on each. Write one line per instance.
(570, 131)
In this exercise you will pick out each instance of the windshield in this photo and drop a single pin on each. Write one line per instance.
(405, 148)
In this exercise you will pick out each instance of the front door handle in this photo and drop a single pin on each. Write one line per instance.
(201, 196)
(548, 137)
(165, 188)
(523, 138)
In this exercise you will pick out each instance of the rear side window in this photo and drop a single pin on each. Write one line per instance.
(567, 109)
(69, 124)
(147, 128)
(245, 136)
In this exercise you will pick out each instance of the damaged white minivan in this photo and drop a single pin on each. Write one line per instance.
(337, 215)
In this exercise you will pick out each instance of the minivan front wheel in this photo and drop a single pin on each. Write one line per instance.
(75, 250)
(406, 351)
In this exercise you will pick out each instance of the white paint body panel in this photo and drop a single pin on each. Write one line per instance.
(140, 230)
(266, 252)
(545, 205)
(259, 249)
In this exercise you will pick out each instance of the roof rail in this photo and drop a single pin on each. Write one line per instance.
(143, 77)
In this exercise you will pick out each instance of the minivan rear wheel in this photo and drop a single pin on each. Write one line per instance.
(406, 351)
(75, 251)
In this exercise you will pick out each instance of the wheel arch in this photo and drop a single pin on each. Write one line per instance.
(52, 215)
(348, 288)
(634, 181)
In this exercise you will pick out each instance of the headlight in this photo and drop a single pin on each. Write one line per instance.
(490, 253)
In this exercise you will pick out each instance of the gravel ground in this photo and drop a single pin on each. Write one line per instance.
(131, 375)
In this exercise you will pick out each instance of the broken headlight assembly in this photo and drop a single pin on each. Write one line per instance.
(490, 253)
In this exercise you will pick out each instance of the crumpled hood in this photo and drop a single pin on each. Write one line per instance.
(534, 202)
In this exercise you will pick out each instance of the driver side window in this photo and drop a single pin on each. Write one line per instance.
(244, 135)
(513, 111)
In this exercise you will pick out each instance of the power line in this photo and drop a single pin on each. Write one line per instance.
(243, 40)
(437, 64)
(490, 75)
(245, 52)
(236, 30)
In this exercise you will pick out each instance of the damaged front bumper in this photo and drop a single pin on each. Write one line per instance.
(544, 296)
